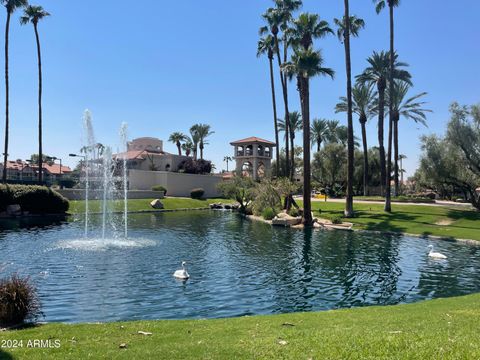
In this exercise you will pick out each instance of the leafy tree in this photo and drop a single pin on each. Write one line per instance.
(239, 189)
(11, 6)
(177, 138)
(329, 165)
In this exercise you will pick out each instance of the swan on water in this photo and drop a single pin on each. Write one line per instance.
(434, 254)
(182, 273)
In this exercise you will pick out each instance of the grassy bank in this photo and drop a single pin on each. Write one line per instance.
(78, 207)
(438, 329)
(413, 219)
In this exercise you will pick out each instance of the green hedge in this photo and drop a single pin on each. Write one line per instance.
(160, 188)
(197, 193)
(32, 198)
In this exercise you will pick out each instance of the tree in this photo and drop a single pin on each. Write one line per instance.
(266, 45)
(305, 64)
(202, 131)
(33, 14)
(377, 73)
(328, 166)
(187, 146)
(11, 6)
(318, 132)
(194, 140)
(295, 126)
(379, 6)
(227, 159)
(364, 106)
(408, 108)
(240, 189)
(349, 25)
(177, 138)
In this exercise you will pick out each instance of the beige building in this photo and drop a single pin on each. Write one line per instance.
(22, 171)
(253, 156)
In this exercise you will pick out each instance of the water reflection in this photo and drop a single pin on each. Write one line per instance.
(237, 267)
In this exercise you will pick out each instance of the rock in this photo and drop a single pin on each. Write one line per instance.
(14, 210)
(157, 204)
(227, 206)
(283, 219)
(236, 206)
(122, 346)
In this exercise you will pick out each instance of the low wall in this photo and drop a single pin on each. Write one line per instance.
(177, 184)
(79, 194)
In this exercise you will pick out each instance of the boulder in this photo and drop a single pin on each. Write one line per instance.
(14, 210)
(157, 204)
(284, 219)
(227, 207)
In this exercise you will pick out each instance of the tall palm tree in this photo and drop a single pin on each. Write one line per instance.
(227, 159)
(377, 73)
(187, 146)
(266, 45)
(305, 64)
(295, 119)
(202, 131)
(308, 27)
(177, 138)
(11, 6)
(349, 25)
(379, 6)
(32, 15)
(194, 140)
(318, 132)
(364, 106)
(332, 130)
(408, 108)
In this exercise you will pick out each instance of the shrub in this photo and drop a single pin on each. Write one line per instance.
(159, 188)
(197, 193)
(268, 213)
(337, 220)
(294, 212)
(18, 301)
(34, 199)
(191, 166)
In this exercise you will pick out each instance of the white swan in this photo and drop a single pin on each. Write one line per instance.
(182, 273)
(434, 254)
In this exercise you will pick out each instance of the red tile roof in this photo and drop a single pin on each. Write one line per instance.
(52, 169)
(252, 139)
(137, 154)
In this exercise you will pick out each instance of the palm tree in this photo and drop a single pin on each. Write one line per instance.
(308, 27)
(194, 140)
(332, 130)
(379, 6)
(187, 146)
(11, 6)
(409, 108)
(227, 159)
(318, 132)
(401, 157)
(364, 106)
(295, 119)
(377, 73)
(33, 14)
(305, 64)
(266, 45)
(349, 25)
(202, 131)
(177, 138)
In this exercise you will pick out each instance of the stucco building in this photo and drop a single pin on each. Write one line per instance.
(253, 156)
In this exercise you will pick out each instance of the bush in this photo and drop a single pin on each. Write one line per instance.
(294, 212)
(190, 166)
(197, 193)
(34, 199)
(159, 188)
(268, 213)
(337, 220)
(18, 301)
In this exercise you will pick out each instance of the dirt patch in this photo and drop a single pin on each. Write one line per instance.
(444, 222)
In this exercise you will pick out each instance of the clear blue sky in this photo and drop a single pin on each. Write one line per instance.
(164, 66)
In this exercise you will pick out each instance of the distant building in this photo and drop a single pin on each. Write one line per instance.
(147, 154)
(253, 156)
(22, 171)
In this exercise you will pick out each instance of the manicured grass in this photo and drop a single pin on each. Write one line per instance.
(402, 199)
(438, 329)
(414, 219)
(171, 203)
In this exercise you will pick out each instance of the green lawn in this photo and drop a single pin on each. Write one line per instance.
(413, 219)
(438, 329)
(170, 203)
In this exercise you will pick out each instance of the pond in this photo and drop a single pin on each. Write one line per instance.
(237, 268)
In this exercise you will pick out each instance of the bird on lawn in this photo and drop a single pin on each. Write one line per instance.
(182, 273)
(434, 254)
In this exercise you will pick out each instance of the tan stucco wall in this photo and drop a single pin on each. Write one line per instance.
(177, 184)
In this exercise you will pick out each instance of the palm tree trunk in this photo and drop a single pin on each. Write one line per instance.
(292, 153)
(285, 101)
(40, 142)
(350, 148)
(319, 144)
(395, 156)
(365, 158)
(7, 124)
(305, 102)
(388, 204)
(179, 147)
(381, 147)
(201, 150)
(275, 119)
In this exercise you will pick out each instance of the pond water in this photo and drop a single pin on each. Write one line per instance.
(237, 267)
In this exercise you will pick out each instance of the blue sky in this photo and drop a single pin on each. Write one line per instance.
(165, 65)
